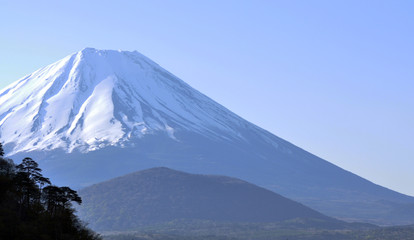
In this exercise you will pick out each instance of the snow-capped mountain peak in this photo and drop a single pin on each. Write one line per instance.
(97, 98)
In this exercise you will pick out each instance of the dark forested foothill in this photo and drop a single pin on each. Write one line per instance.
(32, 208)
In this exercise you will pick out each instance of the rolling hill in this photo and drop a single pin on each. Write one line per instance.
(161, 195)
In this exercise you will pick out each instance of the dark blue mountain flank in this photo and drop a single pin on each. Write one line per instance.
(161, 195)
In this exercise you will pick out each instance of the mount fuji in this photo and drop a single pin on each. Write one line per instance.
(99, 114)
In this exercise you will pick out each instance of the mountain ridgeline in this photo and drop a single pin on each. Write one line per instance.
(161, 195)
(100, 114)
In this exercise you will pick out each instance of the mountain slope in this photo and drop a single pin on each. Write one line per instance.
(99, 114)
(161, 195)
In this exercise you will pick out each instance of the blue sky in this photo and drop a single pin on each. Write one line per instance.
(333, 77)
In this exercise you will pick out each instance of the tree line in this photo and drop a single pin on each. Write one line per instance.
(31, 207)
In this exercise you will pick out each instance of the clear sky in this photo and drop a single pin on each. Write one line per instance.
(333, 77)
